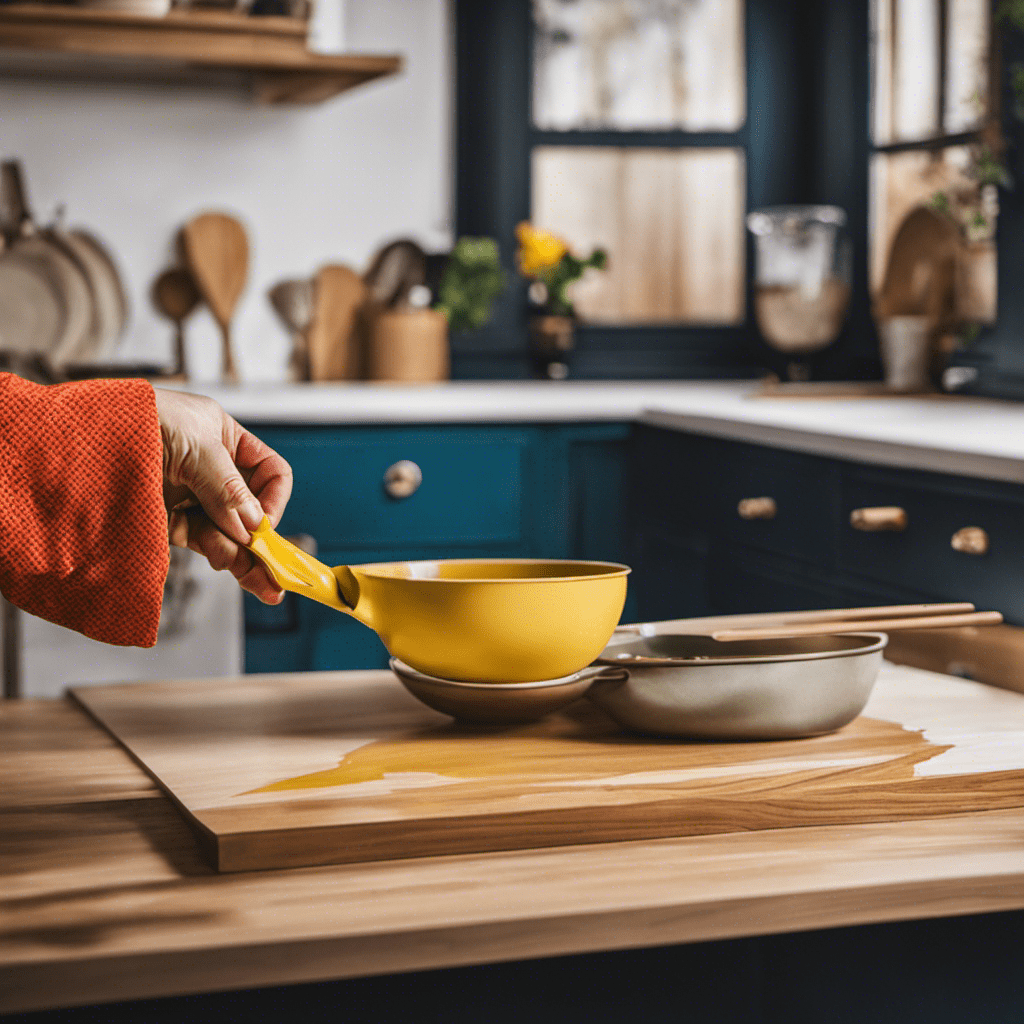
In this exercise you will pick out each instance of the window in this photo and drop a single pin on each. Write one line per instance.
(669, 210)
(936, 137)
(651, 127)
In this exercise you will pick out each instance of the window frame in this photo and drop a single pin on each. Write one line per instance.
(782, 138)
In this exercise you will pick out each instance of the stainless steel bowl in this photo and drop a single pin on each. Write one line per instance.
(753, 690)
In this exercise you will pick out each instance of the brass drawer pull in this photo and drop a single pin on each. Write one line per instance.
(403, 479)
(757, 508)
(971, 540)
(880, 519)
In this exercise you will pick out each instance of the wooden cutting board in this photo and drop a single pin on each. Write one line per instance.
(323, 768)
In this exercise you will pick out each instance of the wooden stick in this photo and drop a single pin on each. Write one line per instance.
(859, 625)
(773, 620)
(892, 611)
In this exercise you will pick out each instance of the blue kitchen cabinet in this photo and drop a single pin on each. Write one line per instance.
(541, 491)
(697, 550)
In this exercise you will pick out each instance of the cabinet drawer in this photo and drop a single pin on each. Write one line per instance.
(921, 557)
(778, 501)
(471, 491)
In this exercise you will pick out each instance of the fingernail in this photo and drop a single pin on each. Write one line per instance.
(251, 514)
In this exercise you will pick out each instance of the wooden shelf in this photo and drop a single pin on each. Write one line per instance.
(266, 56)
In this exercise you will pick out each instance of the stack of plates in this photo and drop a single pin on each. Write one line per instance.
(62, 300)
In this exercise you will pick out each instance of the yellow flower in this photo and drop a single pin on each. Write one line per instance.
(538, 250)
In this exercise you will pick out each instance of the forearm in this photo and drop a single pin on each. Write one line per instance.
(83, 529)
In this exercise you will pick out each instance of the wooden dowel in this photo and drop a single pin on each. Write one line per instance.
(892, 611)
(860, 625)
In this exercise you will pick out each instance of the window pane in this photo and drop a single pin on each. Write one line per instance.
(670, 219)
(905, 69)
(967, 56)
(639, 64)
(944, 179)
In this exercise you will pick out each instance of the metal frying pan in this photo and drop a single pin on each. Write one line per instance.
(780, 688)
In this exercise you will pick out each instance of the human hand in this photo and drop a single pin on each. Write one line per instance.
(212, 461)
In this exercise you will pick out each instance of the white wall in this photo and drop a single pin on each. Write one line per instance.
(329, 182)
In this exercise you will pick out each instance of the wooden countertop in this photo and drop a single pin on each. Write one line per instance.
(103, 896)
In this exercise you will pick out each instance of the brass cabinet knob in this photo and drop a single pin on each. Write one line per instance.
(757, 508)
(879, 519)
(971, 540)
(403, 479)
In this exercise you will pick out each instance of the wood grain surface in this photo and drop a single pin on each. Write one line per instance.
(103, 895)
(335, 335)
(328, 768)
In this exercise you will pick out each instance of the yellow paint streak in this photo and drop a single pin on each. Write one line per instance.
(582, 745)
(454, 752)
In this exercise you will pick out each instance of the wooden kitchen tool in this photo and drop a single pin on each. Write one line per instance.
(294, 302)
(216, 250)
(320, 768)
(176, 296)
(851, 625)
(921, 271)
(335, 333)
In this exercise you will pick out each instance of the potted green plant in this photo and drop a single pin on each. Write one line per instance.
(546, 261)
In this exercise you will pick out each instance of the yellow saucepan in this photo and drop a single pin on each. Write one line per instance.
(474, 620)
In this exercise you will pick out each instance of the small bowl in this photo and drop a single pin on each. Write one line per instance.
(740, 690)
(495, 703)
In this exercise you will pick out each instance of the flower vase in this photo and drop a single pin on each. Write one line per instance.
(551, 340)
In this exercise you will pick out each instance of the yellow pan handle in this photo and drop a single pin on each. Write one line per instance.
(296, 571)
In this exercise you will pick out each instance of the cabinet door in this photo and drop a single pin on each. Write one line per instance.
(670, 580)
(742, 580)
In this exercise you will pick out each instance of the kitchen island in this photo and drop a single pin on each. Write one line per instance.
(104, 898)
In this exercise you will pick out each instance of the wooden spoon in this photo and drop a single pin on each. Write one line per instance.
(335, 331)
(920, 273)
(217, 252)
(294, 303)
(176, 296)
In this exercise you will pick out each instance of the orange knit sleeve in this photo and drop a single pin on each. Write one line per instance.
(83, 530)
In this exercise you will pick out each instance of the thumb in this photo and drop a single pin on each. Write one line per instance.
(224, 495)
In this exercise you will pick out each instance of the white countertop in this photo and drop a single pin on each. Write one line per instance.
(973, 437)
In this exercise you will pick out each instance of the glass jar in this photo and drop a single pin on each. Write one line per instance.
(801, 275)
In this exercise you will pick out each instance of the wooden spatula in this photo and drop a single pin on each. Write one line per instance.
(175, 295)
(334, 336)
(217, 252)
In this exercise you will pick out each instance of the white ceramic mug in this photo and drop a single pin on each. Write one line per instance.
(906, 348)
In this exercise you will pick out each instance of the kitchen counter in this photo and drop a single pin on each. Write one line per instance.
(971, 437)
(104, 896)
